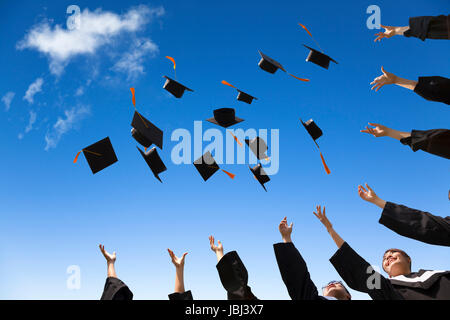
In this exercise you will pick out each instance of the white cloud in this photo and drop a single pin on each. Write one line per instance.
(131, 63)
(29, 127)
(79, 92)
(34, 88)
(96, 29)
(7, 99)
(63, 125)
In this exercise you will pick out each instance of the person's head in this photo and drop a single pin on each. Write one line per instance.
(337, 290)
(396, 262)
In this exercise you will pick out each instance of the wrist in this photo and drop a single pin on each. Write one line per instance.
(379, 203)
(286, 239)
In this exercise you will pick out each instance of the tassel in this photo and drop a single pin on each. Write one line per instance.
(76, 157)
(310, 36)
(228, 84)
(235, 138)
(229, 174)
(324, 164)
(133, 99)
(301, 79)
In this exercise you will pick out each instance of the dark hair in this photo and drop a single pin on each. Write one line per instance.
(399, 251)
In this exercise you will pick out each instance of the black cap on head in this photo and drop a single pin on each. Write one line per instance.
(100, 155)
(258, 147)
(174, 87)
(314, 131)
(225, 117)
(153, 161)
(319, 58)
(268, 64)
(260, 174)
(245, 97)
(145, 132)
(206, 166)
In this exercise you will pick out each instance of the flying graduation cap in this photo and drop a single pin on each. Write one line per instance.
(173, 86)
(207, 166)
(153, 161)
(258, 147)
(225, 117)
(270, 65)
(242, 96)
(99, 155)
(260, 174)
(315, 132)
(315, 56)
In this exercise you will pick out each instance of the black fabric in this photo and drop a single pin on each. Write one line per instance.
(116, 289)
(294, 273)
(434, 88)
(435, 141)
(429, 27)
(357, 273)
(187, 295)
(415, 224)
(234, 277)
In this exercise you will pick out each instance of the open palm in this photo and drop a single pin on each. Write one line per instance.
(388, 33)
(177, 262)
(108, 256)
(378, 131)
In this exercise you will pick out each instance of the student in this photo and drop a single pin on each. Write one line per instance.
(179, 293)
(425, 27)
(411, 223)
(295, 275)
(430, 88)
(401, 284)
(232, 273)
(435, 141)
(114, 289)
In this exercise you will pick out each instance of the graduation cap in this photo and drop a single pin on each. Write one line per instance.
(242, 96)
(225, 117)
(270, 65)
(315, 56)
(258, 147)
(154, 161)
(99, 155)
(145, 132)
(315, 132)
(260, 174)
(207, 166)
(173, 86)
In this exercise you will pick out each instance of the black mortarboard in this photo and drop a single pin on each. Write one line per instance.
(145, 132)
(174, 87)
(319, 58)
(100, 155)
(268, 64)
(314, 131)
(154, 161)
(225, 117)
(260, 174)
(245, 97)
(258, 147)
(206, 165)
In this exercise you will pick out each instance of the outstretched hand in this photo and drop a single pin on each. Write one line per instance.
(378, 131)
(177, 262)
(285, 230)
(218, 248)
(388, 33)
(323, 217)
(110, 258)
(370, 196)
(385, 78)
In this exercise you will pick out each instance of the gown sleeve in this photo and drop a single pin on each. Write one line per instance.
(187, 295)
(435, 141)
(234, 277)
(116, 289)
(355, 271)
(434, 88)
(294, 272)
(429, 27)
(415, 224)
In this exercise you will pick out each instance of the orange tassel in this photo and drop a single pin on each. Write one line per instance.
(173, 60)
(235, 138)
(229, 174)
(305, 29)
(76, 157)
(324, 164)
(301, 79)
(133, 97)
(228, 84)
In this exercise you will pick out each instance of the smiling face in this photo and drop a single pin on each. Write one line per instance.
(337, 290)
(396, 263)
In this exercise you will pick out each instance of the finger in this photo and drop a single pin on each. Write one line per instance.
(184, 255)
(364, 189)
(382, 69)
(374, 124)
(291, 225)
(369, 188)
(324, 211)
(365, 131)
(317, 216)
(376, 90)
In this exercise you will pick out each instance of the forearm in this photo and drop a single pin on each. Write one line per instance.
(398, 135)
(399, 31)
(336, 238)
(405, 83)
(219, 255)
(111, 270)
(179, 280)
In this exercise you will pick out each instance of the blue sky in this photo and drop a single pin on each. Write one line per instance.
(53, 213)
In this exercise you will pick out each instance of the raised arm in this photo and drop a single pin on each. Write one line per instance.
(218, 250)
(323, 218)
(180, 293)
(379, 130)
(110, 261)
(390, 31)
(390, 78)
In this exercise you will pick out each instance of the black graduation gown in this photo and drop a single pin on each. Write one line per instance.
(434, 88)
(234, 277)
(429, 27)
(187, 295)
(435, 141)
(116, 289)
(415, 224)
(422, 285)
(294, 273)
